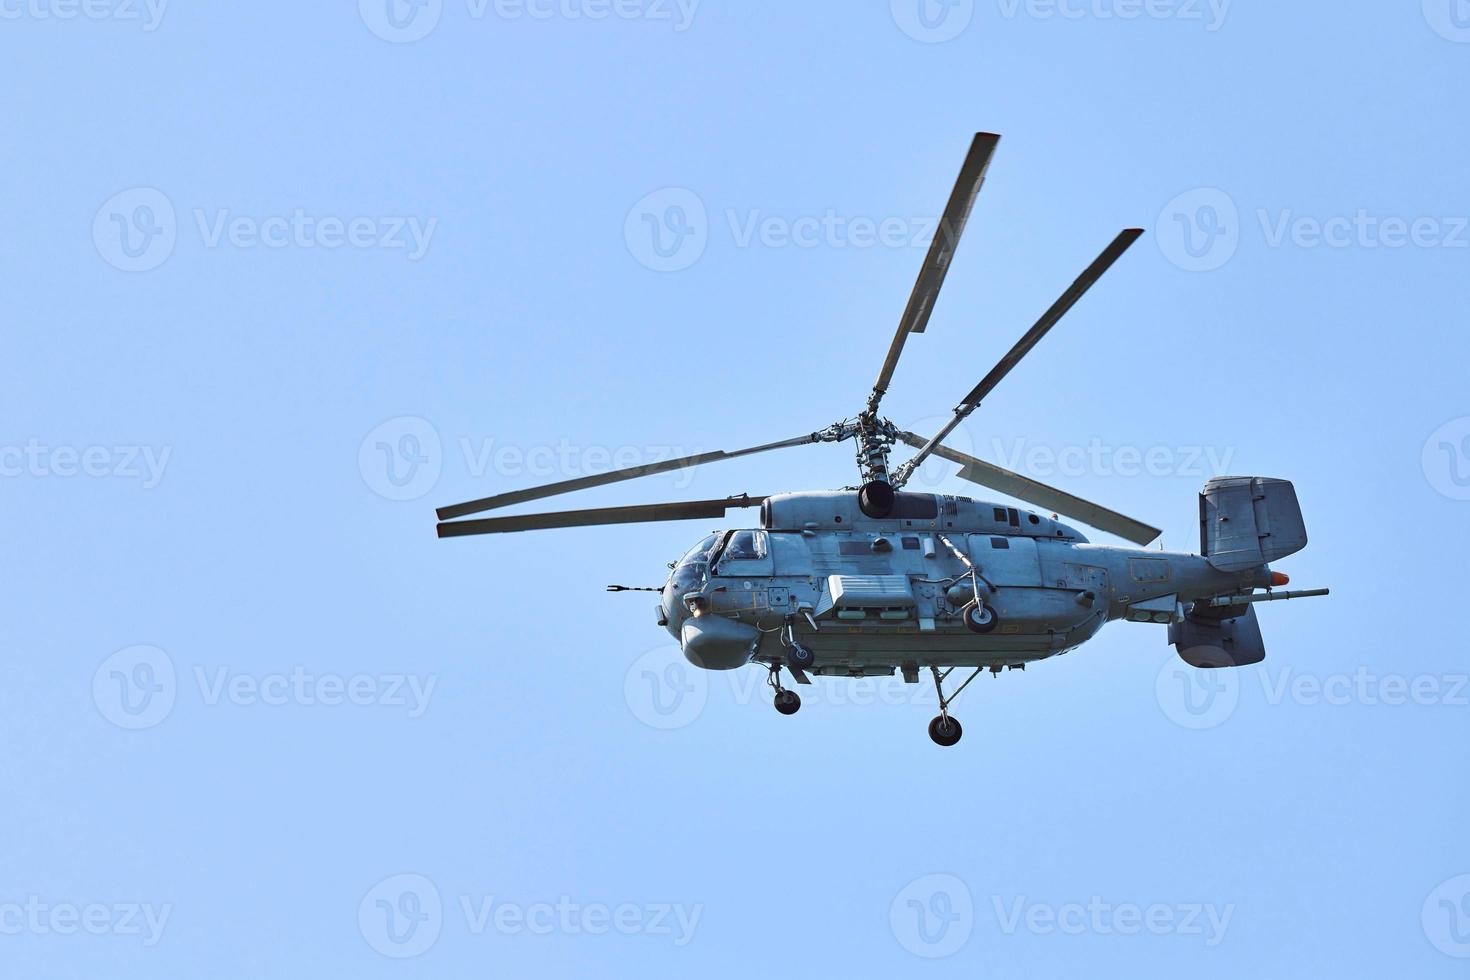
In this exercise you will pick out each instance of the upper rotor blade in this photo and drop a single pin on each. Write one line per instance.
(1049, 319)
(602, 515)
(1022, 347)
(1048, 498)
(941, 250)
(602, 479)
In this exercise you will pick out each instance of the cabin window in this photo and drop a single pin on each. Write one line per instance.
(1000, 515)
(1148, 569)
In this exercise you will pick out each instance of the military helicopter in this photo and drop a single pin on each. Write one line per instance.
(872, 579)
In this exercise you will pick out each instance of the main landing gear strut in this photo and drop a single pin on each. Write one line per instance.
(945, 730)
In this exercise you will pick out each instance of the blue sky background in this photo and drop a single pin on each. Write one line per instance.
(183, 635)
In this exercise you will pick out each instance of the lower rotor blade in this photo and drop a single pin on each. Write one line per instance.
(603, 515)
(615, 476)
(1048, 498)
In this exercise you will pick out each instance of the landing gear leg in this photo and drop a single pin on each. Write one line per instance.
(945, 730)
(786, 701)
(799, 656)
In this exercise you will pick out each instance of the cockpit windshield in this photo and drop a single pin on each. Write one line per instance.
(700, 552)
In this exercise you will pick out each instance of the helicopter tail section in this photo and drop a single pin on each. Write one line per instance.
(1246, 521)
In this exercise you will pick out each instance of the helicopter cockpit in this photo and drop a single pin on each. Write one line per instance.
(688, 575)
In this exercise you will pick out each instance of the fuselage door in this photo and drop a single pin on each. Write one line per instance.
(1006, 560)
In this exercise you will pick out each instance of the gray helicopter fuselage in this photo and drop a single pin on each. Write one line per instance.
(893, 592)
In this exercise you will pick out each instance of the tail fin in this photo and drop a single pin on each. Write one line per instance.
(1245, 521)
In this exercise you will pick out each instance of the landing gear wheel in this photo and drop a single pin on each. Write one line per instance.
(800, 656)
(944, 730)
(788, 703)
(980, 618)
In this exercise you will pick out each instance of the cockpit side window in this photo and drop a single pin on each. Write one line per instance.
(746, 544)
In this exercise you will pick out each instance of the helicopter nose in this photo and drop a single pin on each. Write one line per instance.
(1279, 578)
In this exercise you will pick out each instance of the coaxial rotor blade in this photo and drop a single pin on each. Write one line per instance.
(603, 515)
(1028, 340)
(1048, 498)
(615, 476)
(936, 263)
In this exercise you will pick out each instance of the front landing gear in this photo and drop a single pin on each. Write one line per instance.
(945, 730)
(786, 701)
